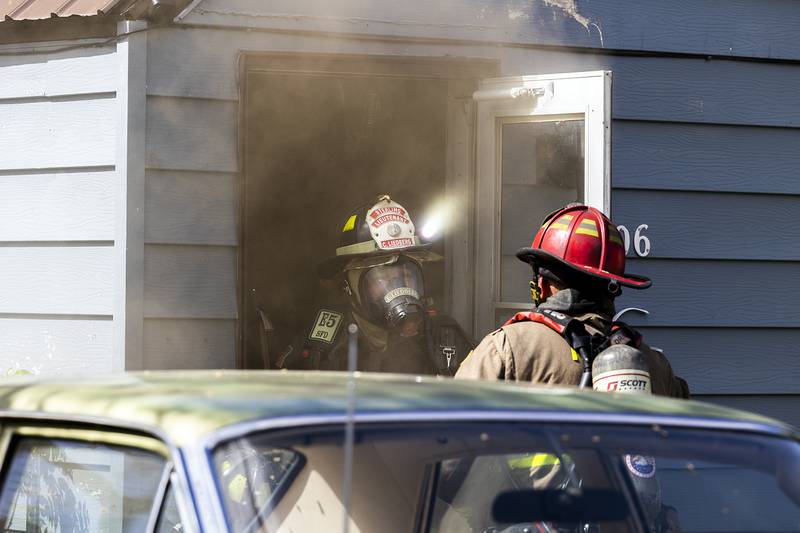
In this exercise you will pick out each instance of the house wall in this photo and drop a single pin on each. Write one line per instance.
(191, 215)
(703, 151)
(58, 134)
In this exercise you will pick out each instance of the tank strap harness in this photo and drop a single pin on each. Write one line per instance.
(445, 341)
(585, 346)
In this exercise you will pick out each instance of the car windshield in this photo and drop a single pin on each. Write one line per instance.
(495, 477)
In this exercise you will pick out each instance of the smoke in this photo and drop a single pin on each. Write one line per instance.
(260, 156)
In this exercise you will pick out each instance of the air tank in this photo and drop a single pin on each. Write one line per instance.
(623, 369)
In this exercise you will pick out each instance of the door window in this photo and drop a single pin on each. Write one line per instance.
(541, 166)
(542, 142)
(65, 485)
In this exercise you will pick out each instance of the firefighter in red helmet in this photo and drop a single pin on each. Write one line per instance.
(578, 264)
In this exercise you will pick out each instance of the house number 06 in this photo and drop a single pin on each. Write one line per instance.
(641, 244)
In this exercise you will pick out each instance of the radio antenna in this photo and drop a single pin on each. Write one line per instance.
(349, 428)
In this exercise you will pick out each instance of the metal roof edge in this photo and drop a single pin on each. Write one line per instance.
(74, 27)
(43, 11)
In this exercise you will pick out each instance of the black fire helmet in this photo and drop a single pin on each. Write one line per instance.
(372, 230)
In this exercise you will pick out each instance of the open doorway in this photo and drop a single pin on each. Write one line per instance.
(323, 136)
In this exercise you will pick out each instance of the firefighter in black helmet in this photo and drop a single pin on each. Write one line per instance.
(379, 266)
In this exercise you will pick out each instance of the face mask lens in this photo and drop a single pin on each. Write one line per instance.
(393, 294)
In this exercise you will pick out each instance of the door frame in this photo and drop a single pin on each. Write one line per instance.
(463, 72)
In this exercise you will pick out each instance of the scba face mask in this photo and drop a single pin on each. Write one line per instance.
(392, 295)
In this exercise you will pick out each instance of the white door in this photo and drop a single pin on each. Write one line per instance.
(541, 142)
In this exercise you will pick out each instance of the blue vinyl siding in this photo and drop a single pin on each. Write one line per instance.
(737, 294)
(690, 90)
(707, 154)
(744, 360)
(705, 225)
(782, 407)
(707, 91)
(706, 157)
(744, 28)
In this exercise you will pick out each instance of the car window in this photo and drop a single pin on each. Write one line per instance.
(65, 485)
(459, 477)
(169, 520)
(252, 479)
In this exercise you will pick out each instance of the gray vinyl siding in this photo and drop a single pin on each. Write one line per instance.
(58, 133)
(191, 216)
(705, 131)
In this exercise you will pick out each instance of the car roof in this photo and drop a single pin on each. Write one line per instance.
(184, 406)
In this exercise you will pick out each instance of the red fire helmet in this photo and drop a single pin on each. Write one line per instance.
(581, 240)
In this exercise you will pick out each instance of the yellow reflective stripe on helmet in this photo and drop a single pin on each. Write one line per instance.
(587, 227)
(350, 225)
(562, 222)
(586, 231)
(534, 460)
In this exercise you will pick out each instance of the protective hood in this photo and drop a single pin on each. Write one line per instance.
(573, 303)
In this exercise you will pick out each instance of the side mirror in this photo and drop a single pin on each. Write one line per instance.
(588, 505)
